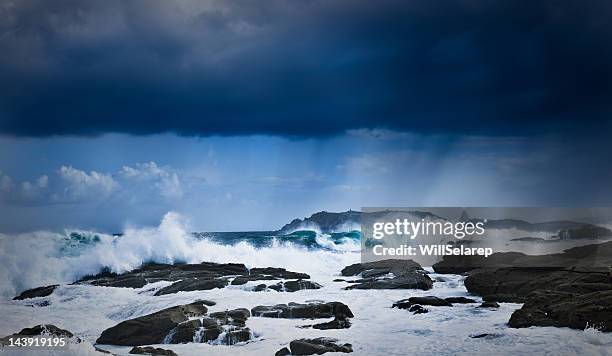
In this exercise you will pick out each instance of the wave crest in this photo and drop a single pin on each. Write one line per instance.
(43, 258)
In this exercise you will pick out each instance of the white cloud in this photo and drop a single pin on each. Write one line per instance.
(6, 183)
(80, 185)
(166, 183)
(139, 183)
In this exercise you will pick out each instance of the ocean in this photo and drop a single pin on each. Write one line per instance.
(44, 258)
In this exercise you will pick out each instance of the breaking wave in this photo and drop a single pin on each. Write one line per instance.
(43, 258)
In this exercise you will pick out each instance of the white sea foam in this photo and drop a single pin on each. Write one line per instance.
(35, 259)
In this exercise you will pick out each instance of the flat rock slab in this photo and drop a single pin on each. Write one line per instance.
(513, 284)
(316, 346)
(460, 300)
(561, 309)
(304, 311)
(589, 258)
(37, 292)
(294, 286)
(388, 274)
(192, 277)
(150, 350)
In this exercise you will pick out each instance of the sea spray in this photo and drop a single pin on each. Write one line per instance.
(41, 258)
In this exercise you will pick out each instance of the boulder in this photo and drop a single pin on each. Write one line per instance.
(151, 328)
(411, 307)
(459, 300)
(42, 330)
(417, 281)
(260, 288)
(562, 309)
(396, 266)
(303, 311)
(193, 285)
(489, 305)
(418, 309)
(337, 323)
(36, 292)
(419, 301)
(318, 346)
(282, 352)
(388, 274)
(293, 286)
(150, 350)
(430, 300)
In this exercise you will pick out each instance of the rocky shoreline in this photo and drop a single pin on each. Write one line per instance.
(570, 289)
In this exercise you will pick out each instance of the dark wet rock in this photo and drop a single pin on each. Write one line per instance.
(337, 323)
(192, 285)
(418, 281)
(102, 351)
(339, 280)
(489, 305)
(260, 288)
(42, 330)
(240, 280)
(181, 324)
(562, 309)
(294, 286)
(513, 284)
(190, 277)
(486, 336)
(418, 309)
(155, 272)
(531, 239)
(230, 323)
(503, 298)
(318, 346)
(510, 277)
(430, 300)
(282, 352)
(396, 266)
(303, 311)
(388, 274)
(185, 331)
(410, 306)
(402, 304)
(36, 292)
(460, 300)
(151, 328)
(238, 316)
(268, 274)
(150, 350)
(278, 273)
(452, 264)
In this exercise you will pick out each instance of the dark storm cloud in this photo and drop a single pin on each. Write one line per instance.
(304, 68)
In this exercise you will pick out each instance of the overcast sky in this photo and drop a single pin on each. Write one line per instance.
(244, 115)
